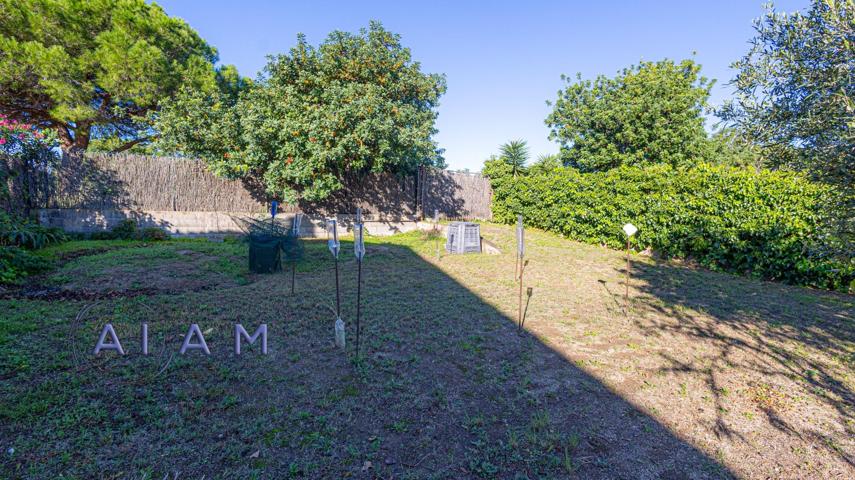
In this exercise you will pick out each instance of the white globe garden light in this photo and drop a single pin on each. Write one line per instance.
(629, 229)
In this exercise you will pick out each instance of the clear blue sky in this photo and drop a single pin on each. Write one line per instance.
(502, 60)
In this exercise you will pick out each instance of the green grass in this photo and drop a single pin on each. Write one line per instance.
(445, 387)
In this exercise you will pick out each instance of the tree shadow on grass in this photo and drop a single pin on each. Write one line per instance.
(446, 388)
(794, 346)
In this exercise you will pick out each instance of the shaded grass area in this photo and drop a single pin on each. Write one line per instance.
(701, 376)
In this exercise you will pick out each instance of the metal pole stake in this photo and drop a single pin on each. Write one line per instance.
(358, 301)
(520, 307)
(337, 294)
(293, 275)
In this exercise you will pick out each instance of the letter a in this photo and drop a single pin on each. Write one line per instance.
(194, 330)
(114, 341)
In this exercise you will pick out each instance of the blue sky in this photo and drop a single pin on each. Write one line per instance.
(502, 60)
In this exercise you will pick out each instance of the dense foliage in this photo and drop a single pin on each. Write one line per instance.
(26, 158)
(545, 163)
(795, 97)
(766, 224)
(18, 237)
(128, 229)
(24, 233)
(96, 70)
(17, 263)
(648, 114)
(357, 103)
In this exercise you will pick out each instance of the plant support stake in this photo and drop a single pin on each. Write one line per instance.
(629, 229)
(359, 252)
(521, 267)
(297, 220)
(436, 231)
(520, 248)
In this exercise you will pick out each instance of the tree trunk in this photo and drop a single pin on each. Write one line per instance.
(74, 143)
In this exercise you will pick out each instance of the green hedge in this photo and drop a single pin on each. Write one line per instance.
(765, 224)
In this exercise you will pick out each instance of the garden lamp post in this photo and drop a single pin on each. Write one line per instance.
(359, 252)
(335, 246)
(629, 229)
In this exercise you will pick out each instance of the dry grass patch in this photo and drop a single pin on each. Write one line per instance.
(700, 375)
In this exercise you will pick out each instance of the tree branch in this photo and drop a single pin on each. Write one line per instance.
(131, 144)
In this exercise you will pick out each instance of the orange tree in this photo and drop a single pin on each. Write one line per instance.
(357, 103)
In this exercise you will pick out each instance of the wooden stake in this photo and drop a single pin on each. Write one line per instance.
(626, 282)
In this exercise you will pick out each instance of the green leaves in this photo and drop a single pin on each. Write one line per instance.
(71, 66)
(795, 99)
(22, 233)
(765, 224)
(16, 263)
(648, 114)
(515, 153)
(356, 104)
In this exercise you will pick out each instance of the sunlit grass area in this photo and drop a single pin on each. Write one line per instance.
(695, 375)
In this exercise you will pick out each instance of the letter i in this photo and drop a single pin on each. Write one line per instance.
(145, 339)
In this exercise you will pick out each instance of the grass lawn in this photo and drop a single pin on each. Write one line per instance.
(704, 375)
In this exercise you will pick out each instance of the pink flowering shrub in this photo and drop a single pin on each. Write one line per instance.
(13, 134)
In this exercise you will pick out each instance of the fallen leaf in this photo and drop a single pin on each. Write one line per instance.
(255, 454)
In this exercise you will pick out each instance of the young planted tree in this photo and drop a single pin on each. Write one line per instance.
(545, 163)
(650, 113)
(95, 72)
(357, 103)
(515, 154)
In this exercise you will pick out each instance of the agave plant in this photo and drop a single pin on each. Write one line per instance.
(23, 233)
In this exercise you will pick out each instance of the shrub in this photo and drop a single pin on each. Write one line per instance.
(128, 229)
(765, 224)
(108, 235)
(125, 230)
(17, 237)
(18, 232)
(16, 263)
(153, 234)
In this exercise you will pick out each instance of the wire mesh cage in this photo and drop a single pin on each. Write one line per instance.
(463, 237)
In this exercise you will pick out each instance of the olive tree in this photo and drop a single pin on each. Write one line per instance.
(795, 97)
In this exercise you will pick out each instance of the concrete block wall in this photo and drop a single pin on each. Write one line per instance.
(207, 223)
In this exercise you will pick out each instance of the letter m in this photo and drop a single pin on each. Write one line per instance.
(240, 334)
